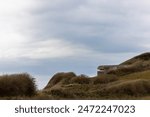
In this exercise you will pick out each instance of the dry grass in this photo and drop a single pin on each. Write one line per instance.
(138, 75)
(132, 82)
(104, 79)
(60, 77)
(143, 57)
(17, 85)
(132, 86)
(80, 80)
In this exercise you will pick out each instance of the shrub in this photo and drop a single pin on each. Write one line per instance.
(17, 85)
(80, 80)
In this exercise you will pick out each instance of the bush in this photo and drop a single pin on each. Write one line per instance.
(17, 85)
(80, 80)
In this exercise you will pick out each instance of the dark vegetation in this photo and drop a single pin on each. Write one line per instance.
(17, 85)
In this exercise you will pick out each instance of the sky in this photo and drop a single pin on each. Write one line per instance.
(44, 37)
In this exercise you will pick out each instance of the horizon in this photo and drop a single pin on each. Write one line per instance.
(46, 37)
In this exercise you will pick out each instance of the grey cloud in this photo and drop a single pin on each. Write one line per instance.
(92, 23)
(96, 32)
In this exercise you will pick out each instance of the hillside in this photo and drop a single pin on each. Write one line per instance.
(131, 82)
(141, 59)
(132, 86)
(133, 65)
(141, 62)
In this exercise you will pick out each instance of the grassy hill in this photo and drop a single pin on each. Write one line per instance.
(140, 59)
(130, 82)
(133, 65)
(132, 86)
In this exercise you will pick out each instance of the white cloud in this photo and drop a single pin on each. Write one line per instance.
(111, 22)
(52, 48)
(61, 23)
(15, 22)
(14, 16)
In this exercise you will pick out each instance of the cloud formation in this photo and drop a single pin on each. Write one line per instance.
(95, 24)
(43, 37)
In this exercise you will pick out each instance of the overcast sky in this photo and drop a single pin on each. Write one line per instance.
(43, 37)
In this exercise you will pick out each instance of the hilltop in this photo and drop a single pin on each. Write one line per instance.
(140, 59)
(136, 64)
